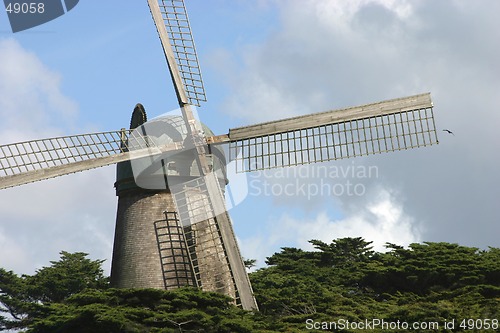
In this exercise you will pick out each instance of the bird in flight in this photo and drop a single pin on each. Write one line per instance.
(450, 132)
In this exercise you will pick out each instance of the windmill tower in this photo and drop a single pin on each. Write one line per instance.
(172, 227)
(153, 248)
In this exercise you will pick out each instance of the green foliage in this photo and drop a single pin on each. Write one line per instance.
(345, 280)
(249, 263)
(70, 275)
(23, 297)
(143, 310)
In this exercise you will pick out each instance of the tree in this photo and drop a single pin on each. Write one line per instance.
(144, 310)
(68, 276)
(249, 263)
(23, 297)
(344, 251)
(345, 279)
(72, 295)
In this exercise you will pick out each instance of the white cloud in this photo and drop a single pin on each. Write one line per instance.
(12, 256)
(383, 220)
(72, 213)
(31, 101)
(322, 57)
(326, 54)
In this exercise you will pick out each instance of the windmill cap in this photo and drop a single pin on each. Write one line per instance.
(159, 172)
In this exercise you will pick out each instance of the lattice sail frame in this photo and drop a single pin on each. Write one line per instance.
(30, 161)
(39, 154)
(392, 125)
(180, 40)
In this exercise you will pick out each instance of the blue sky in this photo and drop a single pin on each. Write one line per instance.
(264, 60)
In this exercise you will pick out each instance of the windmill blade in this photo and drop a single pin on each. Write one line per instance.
(30, 161)
(173, 28)
(201, 209)
(391, 125)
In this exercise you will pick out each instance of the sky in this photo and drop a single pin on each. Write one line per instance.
(263, 60)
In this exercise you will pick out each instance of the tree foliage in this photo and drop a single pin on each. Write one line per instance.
(23, 297)
(143, 310)
(345, 279)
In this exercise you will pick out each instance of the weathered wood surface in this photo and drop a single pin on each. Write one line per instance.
(415, 102)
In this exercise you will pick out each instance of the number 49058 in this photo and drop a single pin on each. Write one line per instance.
(25, 7)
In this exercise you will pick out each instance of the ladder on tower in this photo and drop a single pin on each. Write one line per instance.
(178, 264)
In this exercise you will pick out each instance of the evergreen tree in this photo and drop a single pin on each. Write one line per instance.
(346, 279)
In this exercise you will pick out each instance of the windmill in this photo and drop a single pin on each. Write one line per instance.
(172, 227)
